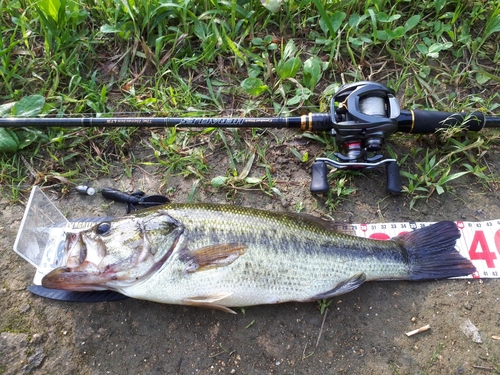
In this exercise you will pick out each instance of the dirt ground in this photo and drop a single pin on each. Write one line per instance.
(363, 332)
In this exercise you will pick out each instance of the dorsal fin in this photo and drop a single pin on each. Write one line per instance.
(325, 224)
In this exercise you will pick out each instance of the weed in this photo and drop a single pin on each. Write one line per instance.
(434, 175)
(172, 151)
(324, 304)
(203, 57)
(435, 355)
(341, 190)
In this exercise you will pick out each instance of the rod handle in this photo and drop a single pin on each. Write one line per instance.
(426, 122)
(319, 183)
(394, 185)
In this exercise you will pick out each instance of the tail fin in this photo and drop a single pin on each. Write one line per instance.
(432, 254)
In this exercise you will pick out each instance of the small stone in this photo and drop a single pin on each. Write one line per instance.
(35, 360)
(24, 308)
(471, 331)
(36, 339)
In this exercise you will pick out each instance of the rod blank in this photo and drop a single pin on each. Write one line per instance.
(416, 122)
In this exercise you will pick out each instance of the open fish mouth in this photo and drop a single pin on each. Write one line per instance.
(81, 264)
(77, 252)
(83, 250)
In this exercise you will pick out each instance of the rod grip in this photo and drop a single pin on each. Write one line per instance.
(394, 185)
(426, 122)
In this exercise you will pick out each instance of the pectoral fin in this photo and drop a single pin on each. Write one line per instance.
(209, 302)
(343, 287)
(212, 256)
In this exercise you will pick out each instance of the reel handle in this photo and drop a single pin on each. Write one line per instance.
(319, 183)
(394, 185)
(319, 172)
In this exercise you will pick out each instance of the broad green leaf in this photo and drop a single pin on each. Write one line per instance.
(337, 20)
(300, 95)
(447, 178)
(108, 29)
(382, 35)
(253, 180)
(482, 78)
(254, 86)
(384, 18)
(28, 136)
(218, 181)
(312, 72)
(492, 26)
(439, 5)
(435, 48)
(6, 108)
(295, 100)
(272, 5)
(8, 141)
(422, 48)
(50, 8)
(397, 33)
(290, 50)
(28, 106)
(257, 41)
(289, 68)
(324, 21)
(412, 22)
(354, 20)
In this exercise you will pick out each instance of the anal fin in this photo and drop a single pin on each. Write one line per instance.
(343, 287)
(209, 302)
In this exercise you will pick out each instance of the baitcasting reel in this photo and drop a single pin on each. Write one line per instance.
(362, 115)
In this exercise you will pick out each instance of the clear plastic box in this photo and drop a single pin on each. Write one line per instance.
(41, 236)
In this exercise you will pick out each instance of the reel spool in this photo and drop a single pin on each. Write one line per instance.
(362, 115)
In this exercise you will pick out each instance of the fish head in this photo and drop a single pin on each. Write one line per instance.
(116, 253)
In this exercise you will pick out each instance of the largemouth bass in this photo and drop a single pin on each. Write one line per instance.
(224, 256)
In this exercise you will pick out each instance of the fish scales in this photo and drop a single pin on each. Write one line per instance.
(301, 261)
(222, 255)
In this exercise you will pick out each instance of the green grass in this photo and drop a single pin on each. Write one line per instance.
(237, 57)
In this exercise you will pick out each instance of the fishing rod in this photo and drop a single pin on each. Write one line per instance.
(362, 115)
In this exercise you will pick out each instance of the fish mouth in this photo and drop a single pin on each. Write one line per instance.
(67, 278)
(80, 270)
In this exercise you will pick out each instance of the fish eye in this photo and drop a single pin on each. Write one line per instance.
(103, 228)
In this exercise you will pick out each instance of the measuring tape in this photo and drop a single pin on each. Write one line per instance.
(479, 241)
